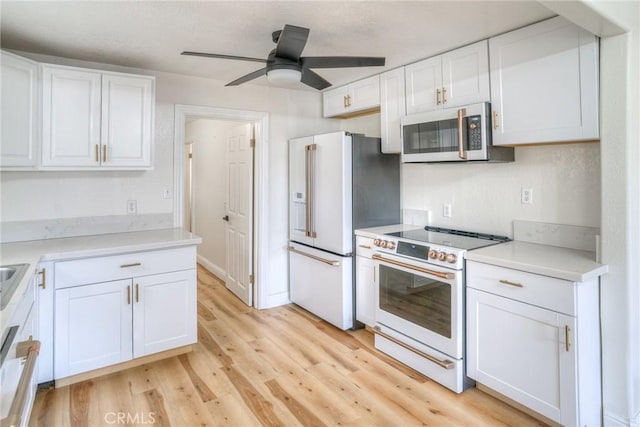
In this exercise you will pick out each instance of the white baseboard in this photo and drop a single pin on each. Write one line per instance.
(217, 271)
(613, 420)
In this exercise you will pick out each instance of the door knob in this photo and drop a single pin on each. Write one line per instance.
(226, 218)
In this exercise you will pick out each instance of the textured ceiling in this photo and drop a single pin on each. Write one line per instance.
(151, 34)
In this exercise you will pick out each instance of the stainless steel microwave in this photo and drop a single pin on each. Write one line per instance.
(451, 135)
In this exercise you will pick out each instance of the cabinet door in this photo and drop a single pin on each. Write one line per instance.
(364, 94)
(92, 327)
(71, 117)
(544, 84)
(165, 312)
(127, 120)
(392, 108)
(45, 294)
(334, 101)
(19, 112)
(365, 291)
(522, 351)
(465, 75)
(424, 85)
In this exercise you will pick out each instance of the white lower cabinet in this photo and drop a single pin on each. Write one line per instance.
(521, 347)
(365, 282)
(93, 327)
(132, 313)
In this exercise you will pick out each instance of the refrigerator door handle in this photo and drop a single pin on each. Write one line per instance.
(317, 258)
(310, 188)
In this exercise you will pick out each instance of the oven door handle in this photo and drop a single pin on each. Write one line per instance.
(439, 274)
(446, 364)
(30, 349)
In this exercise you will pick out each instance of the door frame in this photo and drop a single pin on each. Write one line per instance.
(260, 178)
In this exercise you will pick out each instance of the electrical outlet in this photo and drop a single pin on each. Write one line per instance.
(446, 210)
(132, 207)
(526, 196)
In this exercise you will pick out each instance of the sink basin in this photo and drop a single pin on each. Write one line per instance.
(10, 277)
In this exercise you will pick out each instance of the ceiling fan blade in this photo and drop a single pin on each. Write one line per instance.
(291, 42)
(217, 55)
(248, 77)
(341, 61)
(314, 80)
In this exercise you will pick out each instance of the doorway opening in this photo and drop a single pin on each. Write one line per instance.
(220, 188)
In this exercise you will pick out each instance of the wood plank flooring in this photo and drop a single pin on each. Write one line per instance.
(277, 367)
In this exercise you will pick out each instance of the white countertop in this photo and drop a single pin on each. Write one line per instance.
(36, 251)
(562, 263)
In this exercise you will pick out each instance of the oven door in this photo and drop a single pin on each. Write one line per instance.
(421, 301)
(456, 134)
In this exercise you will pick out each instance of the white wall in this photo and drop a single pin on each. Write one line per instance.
(486, 196)
(292, 113)
(209, 191)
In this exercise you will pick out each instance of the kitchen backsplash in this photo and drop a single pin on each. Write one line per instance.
(69, 227)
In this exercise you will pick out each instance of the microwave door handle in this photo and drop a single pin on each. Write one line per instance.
(461, 153)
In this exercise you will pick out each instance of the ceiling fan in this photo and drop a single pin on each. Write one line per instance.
(284, 63)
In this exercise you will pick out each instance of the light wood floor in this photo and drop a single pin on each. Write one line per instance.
(277, 367)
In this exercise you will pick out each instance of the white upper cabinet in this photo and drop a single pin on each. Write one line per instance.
(19, 113)
(71, 117)
(357, 97)
(127, 119)
(544, 84)
(450, 80)
(392, 108)
(94, 119)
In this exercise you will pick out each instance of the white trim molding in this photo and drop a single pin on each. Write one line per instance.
(261, 183)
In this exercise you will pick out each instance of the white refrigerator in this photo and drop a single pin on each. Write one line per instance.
(338, 182)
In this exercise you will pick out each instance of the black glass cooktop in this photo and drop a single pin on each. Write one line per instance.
(459, 239)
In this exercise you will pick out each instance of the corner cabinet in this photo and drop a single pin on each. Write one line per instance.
(536, 340)
(392, 108)
(117, 308)
(96, 120)
(20, 116)
(359, 97)
(544, 84)
(456, 78)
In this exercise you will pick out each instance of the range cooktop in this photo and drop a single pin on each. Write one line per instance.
(458, 239)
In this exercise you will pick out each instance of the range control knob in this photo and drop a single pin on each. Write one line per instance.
(433, 254)
(390, 245)
(451, 258)
(442, 256)
(377, 242)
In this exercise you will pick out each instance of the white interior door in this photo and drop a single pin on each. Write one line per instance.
(239, 208)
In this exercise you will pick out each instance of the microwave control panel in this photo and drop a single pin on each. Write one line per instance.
(474, 129)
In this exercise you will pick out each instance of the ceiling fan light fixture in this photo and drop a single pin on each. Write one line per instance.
(284, 77)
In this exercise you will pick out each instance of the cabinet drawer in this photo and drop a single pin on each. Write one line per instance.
(542, 291)
(364, 246)
(116, 267)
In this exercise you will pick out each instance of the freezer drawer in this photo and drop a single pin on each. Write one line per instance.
(321, 282)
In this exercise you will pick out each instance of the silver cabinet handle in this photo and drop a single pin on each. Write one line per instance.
(134, 264)
(317, 258)
(439, 274)
(446, 364)
(461, 153)
(510, 283)
(310, 184)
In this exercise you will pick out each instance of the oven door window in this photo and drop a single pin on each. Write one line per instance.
(435, 137)
(417, 299)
